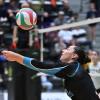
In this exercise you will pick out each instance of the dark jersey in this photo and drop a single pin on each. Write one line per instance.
(58, 69)
(77, 81)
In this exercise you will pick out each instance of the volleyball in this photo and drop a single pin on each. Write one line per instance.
(26, 18)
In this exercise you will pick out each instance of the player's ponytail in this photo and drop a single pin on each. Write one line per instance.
(82, 55)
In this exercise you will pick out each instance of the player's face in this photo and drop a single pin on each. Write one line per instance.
(67, 54)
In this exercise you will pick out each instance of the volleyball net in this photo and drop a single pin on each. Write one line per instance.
(71, 25)
(65, 26)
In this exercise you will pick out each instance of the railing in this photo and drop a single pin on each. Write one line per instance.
(39, 2)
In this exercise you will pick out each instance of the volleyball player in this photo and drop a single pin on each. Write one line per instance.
(78, 83)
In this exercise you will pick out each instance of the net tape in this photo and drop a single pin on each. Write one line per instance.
(71, 25)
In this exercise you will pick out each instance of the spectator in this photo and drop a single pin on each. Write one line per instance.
(80, 36)
(11, 10)
(75, 17)
(46, 20)
(66, 8)
(6, 23)
(92, 13)
(66, 35)
(94, 68)
(61, 18)
(97, 5)
(20, 36)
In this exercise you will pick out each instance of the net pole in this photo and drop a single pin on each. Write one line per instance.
(41, 49)
(41, 35)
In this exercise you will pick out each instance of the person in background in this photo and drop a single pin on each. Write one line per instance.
(66, 35)
(92, 13)
(97, 5)
(94, 68)
(80, 36)
(66, 8)
(11, 10)
(20, 36)
(61, 18)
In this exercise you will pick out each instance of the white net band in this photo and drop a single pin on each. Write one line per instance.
(71, 25)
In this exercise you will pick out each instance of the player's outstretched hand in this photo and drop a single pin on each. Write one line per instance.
(9, 55)
(12, 56)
